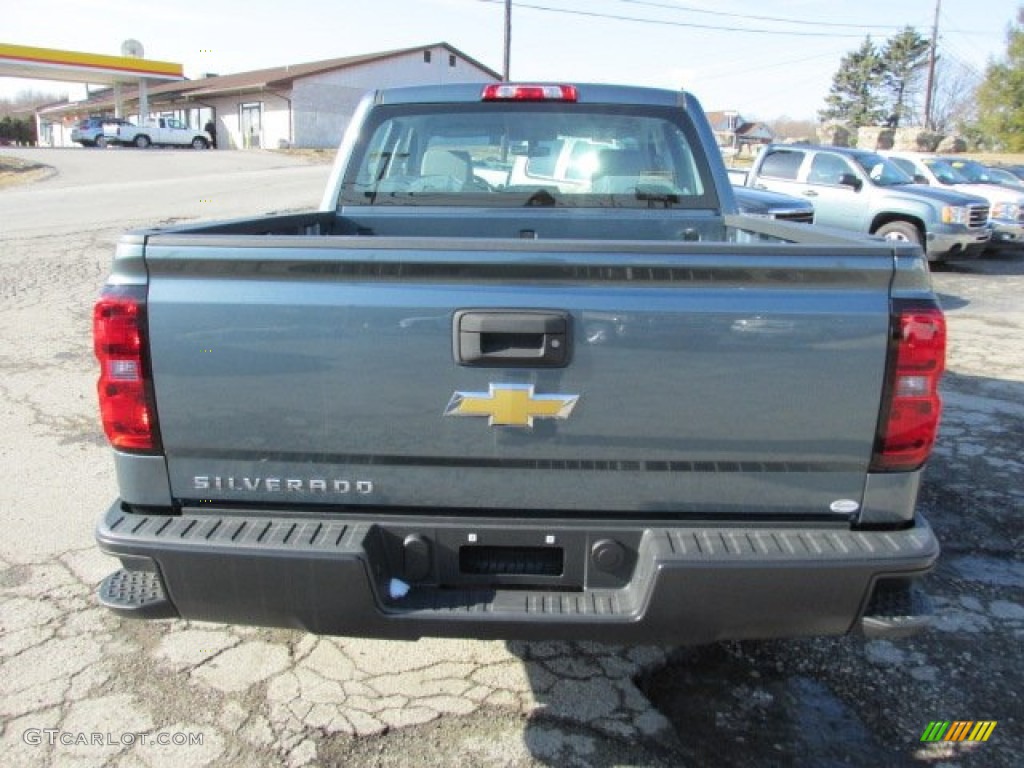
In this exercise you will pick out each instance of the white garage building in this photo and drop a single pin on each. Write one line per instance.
(299, 105)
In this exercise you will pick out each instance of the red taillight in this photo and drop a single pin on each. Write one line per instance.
(516, 92)
(912, 407)
(126, 402)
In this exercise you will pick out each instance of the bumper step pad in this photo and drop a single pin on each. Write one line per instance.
(136, 594)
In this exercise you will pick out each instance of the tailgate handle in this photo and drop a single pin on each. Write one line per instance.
(511, 337)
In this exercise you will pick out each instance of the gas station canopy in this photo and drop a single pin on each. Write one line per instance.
(80, 67)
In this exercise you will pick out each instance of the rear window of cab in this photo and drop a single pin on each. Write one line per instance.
(537, 154)
(782, 164)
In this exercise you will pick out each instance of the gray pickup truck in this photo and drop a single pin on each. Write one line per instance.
(862, 191)
(386, 418)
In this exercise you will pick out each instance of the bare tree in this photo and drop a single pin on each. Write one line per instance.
(27, 100)
(954, 98)
(785, 127)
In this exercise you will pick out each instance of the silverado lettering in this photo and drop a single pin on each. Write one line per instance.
(275, 484)
(674, 422)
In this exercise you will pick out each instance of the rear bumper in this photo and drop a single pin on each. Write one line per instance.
(677, 584)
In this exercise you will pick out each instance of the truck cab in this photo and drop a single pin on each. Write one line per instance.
(862, 191)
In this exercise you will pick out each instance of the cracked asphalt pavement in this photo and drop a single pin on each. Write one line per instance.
(81, 687)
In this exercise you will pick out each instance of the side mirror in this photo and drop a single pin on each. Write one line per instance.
(851, 180)
(919, 179)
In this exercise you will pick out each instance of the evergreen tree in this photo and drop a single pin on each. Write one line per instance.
(903, 59)
(1001, 96)
(854, 97)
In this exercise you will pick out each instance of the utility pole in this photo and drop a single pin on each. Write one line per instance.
(505, 73)
(931, 68)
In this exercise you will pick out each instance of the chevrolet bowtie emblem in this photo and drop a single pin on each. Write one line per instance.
(511, 405)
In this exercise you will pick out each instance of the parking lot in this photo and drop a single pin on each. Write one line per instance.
(81, 687)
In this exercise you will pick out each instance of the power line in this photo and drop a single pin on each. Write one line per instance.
(948, 25)
(952, 53)
(804, 22)
(948, 46)
(773, 102)
(713, 75)
(965, 66)
(667, 23)
(964, 55)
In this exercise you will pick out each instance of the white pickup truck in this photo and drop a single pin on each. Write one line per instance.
(1006, 213)
(163, 131)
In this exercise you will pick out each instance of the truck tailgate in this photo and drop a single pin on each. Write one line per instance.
(701, 378)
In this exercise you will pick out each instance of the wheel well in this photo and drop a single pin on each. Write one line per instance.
(888, 218)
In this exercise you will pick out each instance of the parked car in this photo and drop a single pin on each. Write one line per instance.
(862, 191)
(1006, 204)
(1004, 177)
(772, 205)
(164, 131)
(97, 131)
(1016, 170)
(972, 170)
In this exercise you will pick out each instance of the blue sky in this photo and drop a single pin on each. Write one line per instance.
(766, 58)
